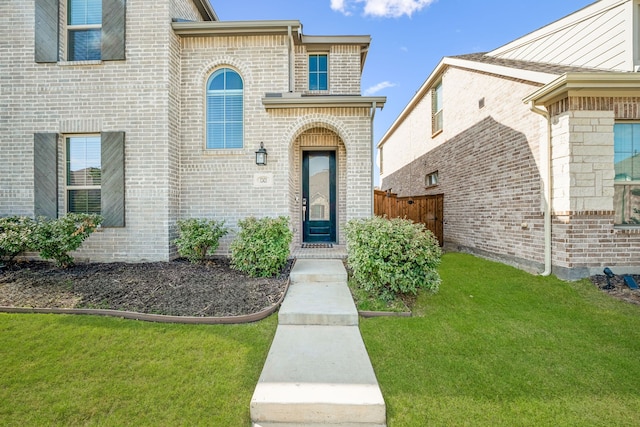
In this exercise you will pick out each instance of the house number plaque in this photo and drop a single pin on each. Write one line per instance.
(263, 180)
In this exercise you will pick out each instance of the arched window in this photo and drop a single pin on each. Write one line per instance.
(225, 127)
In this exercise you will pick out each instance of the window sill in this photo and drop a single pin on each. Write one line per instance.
(623, 228)
(79, 63)
(429, 187)
(436, 133)
(225, 152)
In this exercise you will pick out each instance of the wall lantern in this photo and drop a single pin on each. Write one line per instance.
(261, 155)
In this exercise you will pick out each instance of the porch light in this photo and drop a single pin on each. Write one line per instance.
(261, 155)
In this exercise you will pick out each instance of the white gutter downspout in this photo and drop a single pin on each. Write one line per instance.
(374, 106)
(291, 44)
(546, 178)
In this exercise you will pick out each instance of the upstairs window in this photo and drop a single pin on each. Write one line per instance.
(436, 109)
(318, 72)
(627, 169)
(84, 174)
(225, 128)
(84, 29)
(431, 179)
(93, 30)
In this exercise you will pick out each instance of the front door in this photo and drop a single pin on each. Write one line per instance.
(319, 196)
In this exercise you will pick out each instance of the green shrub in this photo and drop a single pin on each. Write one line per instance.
(392, 257)
(55, 238)
(15, 235)
(261, 248)
(199, 238)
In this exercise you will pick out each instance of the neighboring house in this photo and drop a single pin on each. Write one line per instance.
(534, 145)
(148, 112)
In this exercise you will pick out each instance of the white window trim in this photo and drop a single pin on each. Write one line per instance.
(67, 45)
(436, 114)
(320, 91)
(65, 172)
(431, 179)
(224, 151)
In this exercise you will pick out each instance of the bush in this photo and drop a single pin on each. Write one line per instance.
(15, 235)
(392, 257)
(261, 248)
(199, 238)
(55, 238)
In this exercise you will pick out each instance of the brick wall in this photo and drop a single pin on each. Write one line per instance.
(157, 97)
(489, 163)
(344, 69)
(220, 183)
(69, 98)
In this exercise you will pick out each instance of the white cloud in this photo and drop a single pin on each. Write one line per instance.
(377, 88)
(340, 6)
(382, 8)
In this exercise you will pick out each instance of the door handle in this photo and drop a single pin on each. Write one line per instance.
(304, 209)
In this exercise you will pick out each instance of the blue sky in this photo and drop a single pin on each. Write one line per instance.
(409, 37)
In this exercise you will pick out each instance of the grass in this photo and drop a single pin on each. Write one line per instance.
(499, 347)
(495, 347)
(97, 371)
(366, 302)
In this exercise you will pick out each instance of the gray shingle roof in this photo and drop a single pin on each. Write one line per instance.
(525, 65)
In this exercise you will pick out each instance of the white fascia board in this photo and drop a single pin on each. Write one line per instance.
(420, 93)
(325, 101)
(334, 40)
(532, 76)
(234, 28)
(500, 70)
(586, 83)
(206, 10)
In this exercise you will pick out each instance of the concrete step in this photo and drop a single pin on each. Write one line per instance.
(317, 375)
(320, 303)
(316, 425)
(318, 270)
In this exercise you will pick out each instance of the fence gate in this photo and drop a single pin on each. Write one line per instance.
(428, 210)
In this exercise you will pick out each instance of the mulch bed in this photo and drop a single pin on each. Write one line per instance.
(618, 288)
(176, 288)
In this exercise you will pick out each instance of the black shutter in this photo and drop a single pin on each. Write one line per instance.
(46, 30)
(112, 185)
(113, 30)
(45, 175)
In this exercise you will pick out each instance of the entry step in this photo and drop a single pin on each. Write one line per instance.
(317, 375)
(318, 270)
(320, 303)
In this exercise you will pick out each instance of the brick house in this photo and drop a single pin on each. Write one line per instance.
(151, 112)
(534, 146)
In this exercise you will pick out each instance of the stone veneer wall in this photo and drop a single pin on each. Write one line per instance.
(585, 237)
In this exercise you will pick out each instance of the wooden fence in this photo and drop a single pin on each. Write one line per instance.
(428, 210)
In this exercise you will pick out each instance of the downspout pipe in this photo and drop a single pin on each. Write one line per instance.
(374, 106)
(546, 177)
(291, 44)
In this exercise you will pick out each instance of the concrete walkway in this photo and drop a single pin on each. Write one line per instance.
(318, 372)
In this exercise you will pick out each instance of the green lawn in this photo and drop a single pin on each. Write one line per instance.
(495, 346)
(499, 347)
(95, 371)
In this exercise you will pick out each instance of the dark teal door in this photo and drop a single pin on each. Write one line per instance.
(319, 196)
